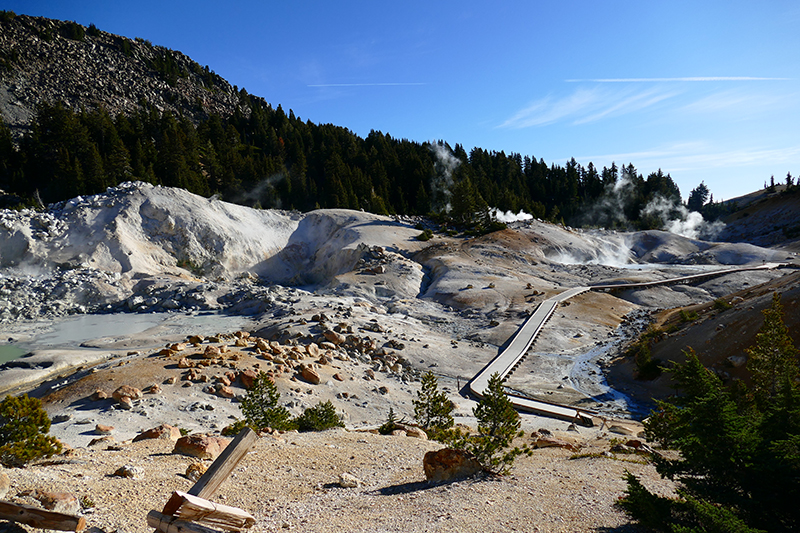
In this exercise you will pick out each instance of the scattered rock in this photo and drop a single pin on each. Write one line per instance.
(247, 378)
(196, 470)
(447, 464)
(102, 429)
(130, 471)
(348, 481)
(107, 439)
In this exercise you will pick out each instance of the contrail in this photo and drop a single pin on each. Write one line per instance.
(699, 78)
(390, 84)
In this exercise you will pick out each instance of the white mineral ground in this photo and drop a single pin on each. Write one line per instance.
(152, 266)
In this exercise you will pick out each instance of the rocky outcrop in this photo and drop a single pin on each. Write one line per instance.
(49, 60)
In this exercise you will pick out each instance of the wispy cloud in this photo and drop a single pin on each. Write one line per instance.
(584, 106)
(694, 78)
(386, 84)
(699, 155)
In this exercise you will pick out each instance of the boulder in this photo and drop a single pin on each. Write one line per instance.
(540, 440)
(102, 429)
(334, 338)
(200, 446)
(223, 391)
(248, 377)
(99, 395)
(447, 464)
(310, 375)
(211, 352)
(163, 432)
(126, 394)
(59, 502)
(106, 439)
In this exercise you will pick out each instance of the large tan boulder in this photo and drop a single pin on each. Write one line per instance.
(447, 464)
(310, 375)
(125, 395)
(201, 446)
(247, 378)
(163, 432)
(333, 337)
(59, 502)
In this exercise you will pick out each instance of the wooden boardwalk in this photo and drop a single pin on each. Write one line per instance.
(510, 357)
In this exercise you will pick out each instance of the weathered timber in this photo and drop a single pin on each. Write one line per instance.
(40, 518)
(212, 514)
(170, 524)
(219, 470)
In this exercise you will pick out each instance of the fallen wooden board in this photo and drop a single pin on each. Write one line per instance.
(219, 470)
(40, 518)
(212, 514)
(170, 524)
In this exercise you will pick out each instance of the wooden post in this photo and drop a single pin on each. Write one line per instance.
(219, 470)
(40, 518)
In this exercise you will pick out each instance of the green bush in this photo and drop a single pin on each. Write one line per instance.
(689, 316)
(23, 431)
(319, 418)
(260, 406)
(720, 304)
(425, 235)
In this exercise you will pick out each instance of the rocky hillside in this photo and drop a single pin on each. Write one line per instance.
(45, 60)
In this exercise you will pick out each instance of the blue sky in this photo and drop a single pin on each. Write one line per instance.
(706, 91)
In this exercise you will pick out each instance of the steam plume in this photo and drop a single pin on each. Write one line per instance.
(442, 181)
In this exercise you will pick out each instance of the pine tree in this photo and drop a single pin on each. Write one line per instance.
(498, 426)
(260, 405)
(432, 409)
(772, 361)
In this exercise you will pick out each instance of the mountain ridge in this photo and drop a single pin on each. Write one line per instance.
(45, 61)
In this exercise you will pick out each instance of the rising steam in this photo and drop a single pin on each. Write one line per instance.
(442, 181)
(676, 218)
(509, 216)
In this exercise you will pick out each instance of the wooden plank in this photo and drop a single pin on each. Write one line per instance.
(170, 524)
(219, 470)
(40, 518)
(212, 514)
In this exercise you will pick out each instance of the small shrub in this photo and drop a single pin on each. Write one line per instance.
(390, 424)
(260, 406)
(23, 431)
(688, 316)
(231, 430)
(319, 418)
(426, 235)
(720, 304)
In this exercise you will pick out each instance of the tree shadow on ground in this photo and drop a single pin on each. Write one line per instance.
(417, 486)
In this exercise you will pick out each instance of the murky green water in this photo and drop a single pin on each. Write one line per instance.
(9, 352)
